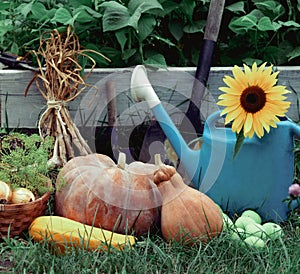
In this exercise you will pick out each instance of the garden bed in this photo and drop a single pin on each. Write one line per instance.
(131, 119)
(174, 87)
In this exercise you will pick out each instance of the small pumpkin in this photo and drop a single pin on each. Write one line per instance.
(187, 215)
(95, 191)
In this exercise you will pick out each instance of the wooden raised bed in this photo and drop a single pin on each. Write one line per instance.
(89, 111)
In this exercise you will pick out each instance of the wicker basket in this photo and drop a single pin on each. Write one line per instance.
(15, 218)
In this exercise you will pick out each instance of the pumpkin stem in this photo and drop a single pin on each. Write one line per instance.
(157, 160)
(164, 173)
(121, 160)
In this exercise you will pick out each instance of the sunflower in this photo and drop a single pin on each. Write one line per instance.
(252, 100)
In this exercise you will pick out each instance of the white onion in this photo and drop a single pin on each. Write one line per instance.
(22, 195)
(5, 193)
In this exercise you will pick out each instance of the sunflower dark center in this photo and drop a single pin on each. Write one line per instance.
(253, 99)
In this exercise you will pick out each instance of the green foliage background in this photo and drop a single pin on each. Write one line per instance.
(158, 32)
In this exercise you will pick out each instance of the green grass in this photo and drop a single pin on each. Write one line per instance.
(154, 255)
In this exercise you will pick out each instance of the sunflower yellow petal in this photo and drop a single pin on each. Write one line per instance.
(257, 127)
(248, 122)
(238, 123)
(229, 90)
(226, 96)
(228, 103)
(253, 119)
(262, 67)
(249, 134)
(279, 89)
(233, 84)
(232, 115)
(240, 76)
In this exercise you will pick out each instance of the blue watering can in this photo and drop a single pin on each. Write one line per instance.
(257, 178)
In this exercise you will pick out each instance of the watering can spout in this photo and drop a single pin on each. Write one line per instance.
(142, 90)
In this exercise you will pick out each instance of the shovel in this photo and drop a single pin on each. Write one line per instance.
(211, 33)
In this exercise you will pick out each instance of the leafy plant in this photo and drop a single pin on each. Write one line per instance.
(23, 161)
(262, 31)
(158, 32)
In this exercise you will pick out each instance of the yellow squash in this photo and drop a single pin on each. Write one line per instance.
(63, 232)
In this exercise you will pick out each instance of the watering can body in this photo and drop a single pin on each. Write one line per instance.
(257, 178)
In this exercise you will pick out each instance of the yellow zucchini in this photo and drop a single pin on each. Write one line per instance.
(63, 232)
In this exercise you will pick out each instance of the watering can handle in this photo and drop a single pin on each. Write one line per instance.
(212, 119)
(295, 129)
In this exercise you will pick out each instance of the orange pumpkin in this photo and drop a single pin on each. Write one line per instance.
(95, 191)
(187, 215)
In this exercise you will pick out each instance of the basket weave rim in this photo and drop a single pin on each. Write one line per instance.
(10, 207)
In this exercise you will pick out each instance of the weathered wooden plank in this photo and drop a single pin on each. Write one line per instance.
(173, 87)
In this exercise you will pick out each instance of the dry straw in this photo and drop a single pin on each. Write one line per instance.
(60, 81)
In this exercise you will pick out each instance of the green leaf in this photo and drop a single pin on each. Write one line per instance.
(169, 7)
(108, 52)
(176, 29)
(5, 27)
(188, 6)
(294, 53)
(289, 24)
(241, 25)
(156, 59)
(4, 5)
(196, 26)
(268, 5)
(250, 61)
(237, 7)
(76, 3)
(38, 10)
(265, 24)
(121, 36)
(144, 6)
(239, 142)
(146, 26)
(25, 9)
(62, 16)
(115, 16)
(14, 48)
(128, 53)
(135, 17)
(86, 14)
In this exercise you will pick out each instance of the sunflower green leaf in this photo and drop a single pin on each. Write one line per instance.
(239, 142)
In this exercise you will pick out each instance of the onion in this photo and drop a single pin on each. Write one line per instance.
(5, 193)
(22, 195)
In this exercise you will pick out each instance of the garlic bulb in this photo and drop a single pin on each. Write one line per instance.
(22, 195)
(5, 193)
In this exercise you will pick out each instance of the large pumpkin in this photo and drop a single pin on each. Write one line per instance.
(94, 190)
(187, 215)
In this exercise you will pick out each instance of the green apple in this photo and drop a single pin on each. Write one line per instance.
(252, 214)
(234, 235)
(255, 241)
(273, 231)
(255, 229)
(237, 234)
(243, 221)
(227, 222)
